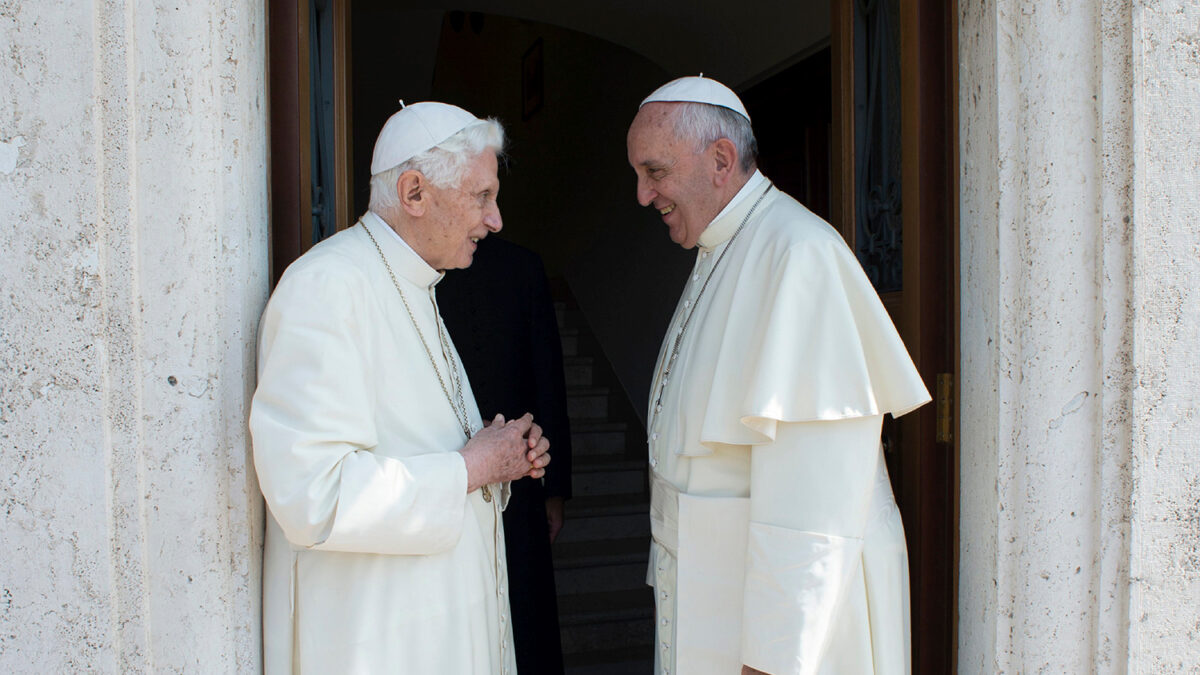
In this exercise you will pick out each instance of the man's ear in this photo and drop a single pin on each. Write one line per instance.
(724, 156)
(413, 190)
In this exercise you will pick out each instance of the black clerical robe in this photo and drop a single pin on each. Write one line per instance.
(502, 321)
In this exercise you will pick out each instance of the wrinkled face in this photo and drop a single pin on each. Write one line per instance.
(672, 177)
(461, 216)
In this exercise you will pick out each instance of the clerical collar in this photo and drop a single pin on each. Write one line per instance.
(403, 258)
(722, 227)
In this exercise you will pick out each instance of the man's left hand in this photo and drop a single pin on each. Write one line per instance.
(538, 446)
(554, 516)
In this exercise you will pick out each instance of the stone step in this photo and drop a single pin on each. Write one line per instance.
(614, 461)
(598, 621)
(598, 527)
(619, 661)
(587, 403)
(568, 317)
(609, 505)
(597, 438)
(593, 553)
(606, 612)
(615, 478)
(570, 341)
(582, 608)
(600, 578)
(579, 371)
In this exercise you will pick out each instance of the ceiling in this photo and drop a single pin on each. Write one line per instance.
(736, 42)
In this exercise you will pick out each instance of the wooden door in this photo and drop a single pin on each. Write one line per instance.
(290, 75)
(920, 293)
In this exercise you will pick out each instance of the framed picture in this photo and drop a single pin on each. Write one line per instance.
(532, 72)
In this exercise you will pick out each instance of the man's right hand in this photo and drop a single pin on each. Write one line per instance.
(505, 451)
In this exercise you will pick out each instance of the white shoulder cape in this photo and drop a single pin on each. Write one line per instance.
(806, 337)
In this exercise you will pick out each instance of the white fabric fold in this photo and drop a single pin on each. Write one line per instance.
(795, 582)
(885, 567)
(710, 583)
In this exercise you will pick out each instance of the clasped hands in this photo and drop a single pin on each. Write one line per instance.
(505, 451)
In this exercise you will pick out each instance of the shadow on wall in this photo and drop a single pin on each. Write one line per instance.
(568, 191)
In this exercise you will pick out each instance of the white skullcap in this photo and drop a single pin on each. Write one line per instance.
(415, 129)
(698, 90)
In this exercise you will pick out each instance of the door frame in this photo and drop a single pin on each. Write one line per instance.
(929, 325)
(291, 127)
(928, 316)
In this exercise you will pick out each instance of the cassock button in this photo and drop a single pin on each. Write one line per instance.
(695, 277)
(654, 436)
(653, 462)
(664, 622)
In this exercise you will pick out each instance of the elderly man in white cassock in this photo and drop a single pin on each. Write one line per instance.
(384, 548)
(777, 545)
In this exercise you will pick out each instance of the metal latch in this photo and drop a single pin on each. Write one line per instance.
(945, 387)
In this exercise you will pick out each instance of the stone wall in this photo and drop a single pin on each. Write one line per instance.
(1164, 605)
(1080, 514)
(134, 266)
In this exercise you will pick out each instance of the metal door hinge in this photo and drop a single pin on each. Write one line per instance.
(945, 393)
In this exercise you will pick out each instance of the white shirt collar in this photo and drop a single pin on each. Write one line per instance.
(722, 228)
(409, 263)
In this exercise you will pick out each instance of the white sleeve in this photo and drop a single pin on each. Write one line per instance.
(312, 423)
(809, 495)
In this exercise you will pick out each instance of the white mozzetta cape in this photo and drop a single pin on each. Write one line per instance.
(377, 560)
(777, 542)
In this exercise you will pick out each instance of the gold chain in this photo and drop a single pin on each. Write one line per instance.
(662, 386)
(460, 413)
(456, 401)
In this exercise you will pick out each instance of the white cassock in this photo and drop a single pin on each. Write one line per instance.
(377, 559)
(776, 540)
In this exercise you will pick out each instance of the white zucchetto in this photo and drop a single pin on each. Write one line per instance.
(415, 129)
(698, 90)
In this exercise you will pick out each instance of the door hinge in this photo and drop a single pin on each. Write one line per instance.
(945, 393)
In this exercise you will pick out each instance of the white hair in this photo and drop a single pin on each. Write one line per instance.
(443, 165)
(704, 124)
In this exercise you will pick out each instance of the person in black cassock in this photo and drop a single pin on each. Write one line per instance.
(502, 321)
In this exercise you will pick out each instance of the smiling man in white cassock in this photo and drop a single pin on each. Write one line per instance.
(384, 546)
(777, 545)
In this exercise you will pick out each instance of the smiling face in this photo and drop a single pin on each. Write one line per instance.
(458, 217)
(678, 182)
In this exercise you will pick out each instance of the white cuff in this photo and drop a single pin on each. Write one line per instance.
(795, 583)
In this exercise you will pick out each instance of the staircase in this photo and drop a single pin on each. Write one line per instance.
(606, 610)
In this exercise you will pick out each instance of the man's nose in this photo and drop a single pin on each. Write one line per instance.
(645, 195)
(492, 221)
